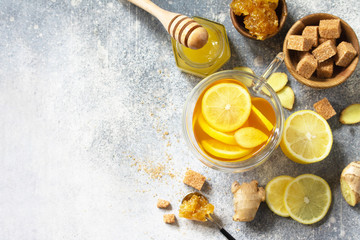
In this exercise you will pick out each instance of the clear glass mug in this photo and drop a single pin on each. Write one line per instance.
(256, 86)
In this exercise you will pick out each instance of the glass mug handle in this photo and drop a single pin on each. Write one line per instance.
(274, 65)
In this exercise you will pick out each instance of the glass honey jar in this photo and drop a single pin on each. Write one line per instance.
(208, 59)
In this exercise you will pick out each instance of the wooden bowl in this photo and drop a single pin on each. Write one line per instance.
(238, 21)
(340, 73)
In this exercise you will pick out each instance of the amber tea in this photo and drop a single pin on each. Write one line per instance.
(231, 125)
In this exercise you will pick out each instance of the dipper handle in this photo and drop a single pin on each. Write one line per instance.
(182, 28)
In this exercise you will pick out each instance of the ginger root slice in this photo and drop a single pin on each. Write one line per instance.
(247, 199)
(350, 183)
(351, 114)
(286, 97)
(277, 82)
(245, 69)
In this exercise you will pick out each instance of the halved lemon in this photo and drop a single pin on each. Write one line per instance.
(222, 150)
(275, 191)
(227, 138)
(307, 137)
(226, 106)
(307, 198)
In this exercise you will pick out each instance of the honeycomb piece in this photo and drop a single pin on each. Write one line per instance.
(260, 16)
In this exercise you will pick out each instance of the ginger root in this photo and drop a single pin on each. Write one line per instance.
(247, 199)
(351, 114)
(350, 183)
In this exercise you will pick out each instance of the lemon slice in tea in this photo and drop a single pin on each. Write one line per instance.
(226, 106)
(222, 150)
(227, 138)
(262, 118)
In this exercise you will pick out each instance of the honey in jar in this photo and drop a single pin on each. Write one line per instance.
(206, 60)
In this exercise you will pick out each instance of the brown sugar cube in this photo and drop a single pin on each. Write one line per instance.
(324, 108)
(345, 54)
(330, 28)
(194, 179)
(322, 40)
(325, 69)
(169, 218)
(312, 33)
(162, 203)
(324, 51)
(300, 55)
(299, 43)
(306, 66)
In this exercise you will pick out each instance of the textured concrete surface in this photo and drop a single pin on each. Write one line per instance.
(89, 91)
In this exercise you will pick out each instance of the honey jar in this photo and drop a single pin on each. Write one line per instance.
(208, 59)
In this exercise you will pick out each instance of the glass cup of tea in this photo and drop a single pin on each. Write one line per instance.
(233, 120)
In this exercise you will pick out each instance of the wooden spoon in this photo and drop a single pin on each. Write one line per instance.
(182, 28)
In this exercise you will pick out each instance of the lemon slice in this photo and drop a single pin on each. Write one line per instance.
(221, 150)
(250, 137)
(275, 190)
(221, 136)
(226, 106)
(262, 118)
(307, 137)
(307, 198)
(195, 119)
(265, 107)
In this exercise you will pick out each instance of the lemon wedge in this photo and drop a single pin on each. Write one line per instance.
(307, 137)
(307, 198)
(275, 190)
(226, 106)
(221, 150)
(221, 136)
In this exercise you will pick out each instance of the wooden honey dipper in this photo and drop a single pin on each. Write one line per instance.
(182, 28)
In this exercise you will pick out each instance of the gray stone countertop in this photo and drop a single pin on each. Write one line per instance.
(89, 91)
